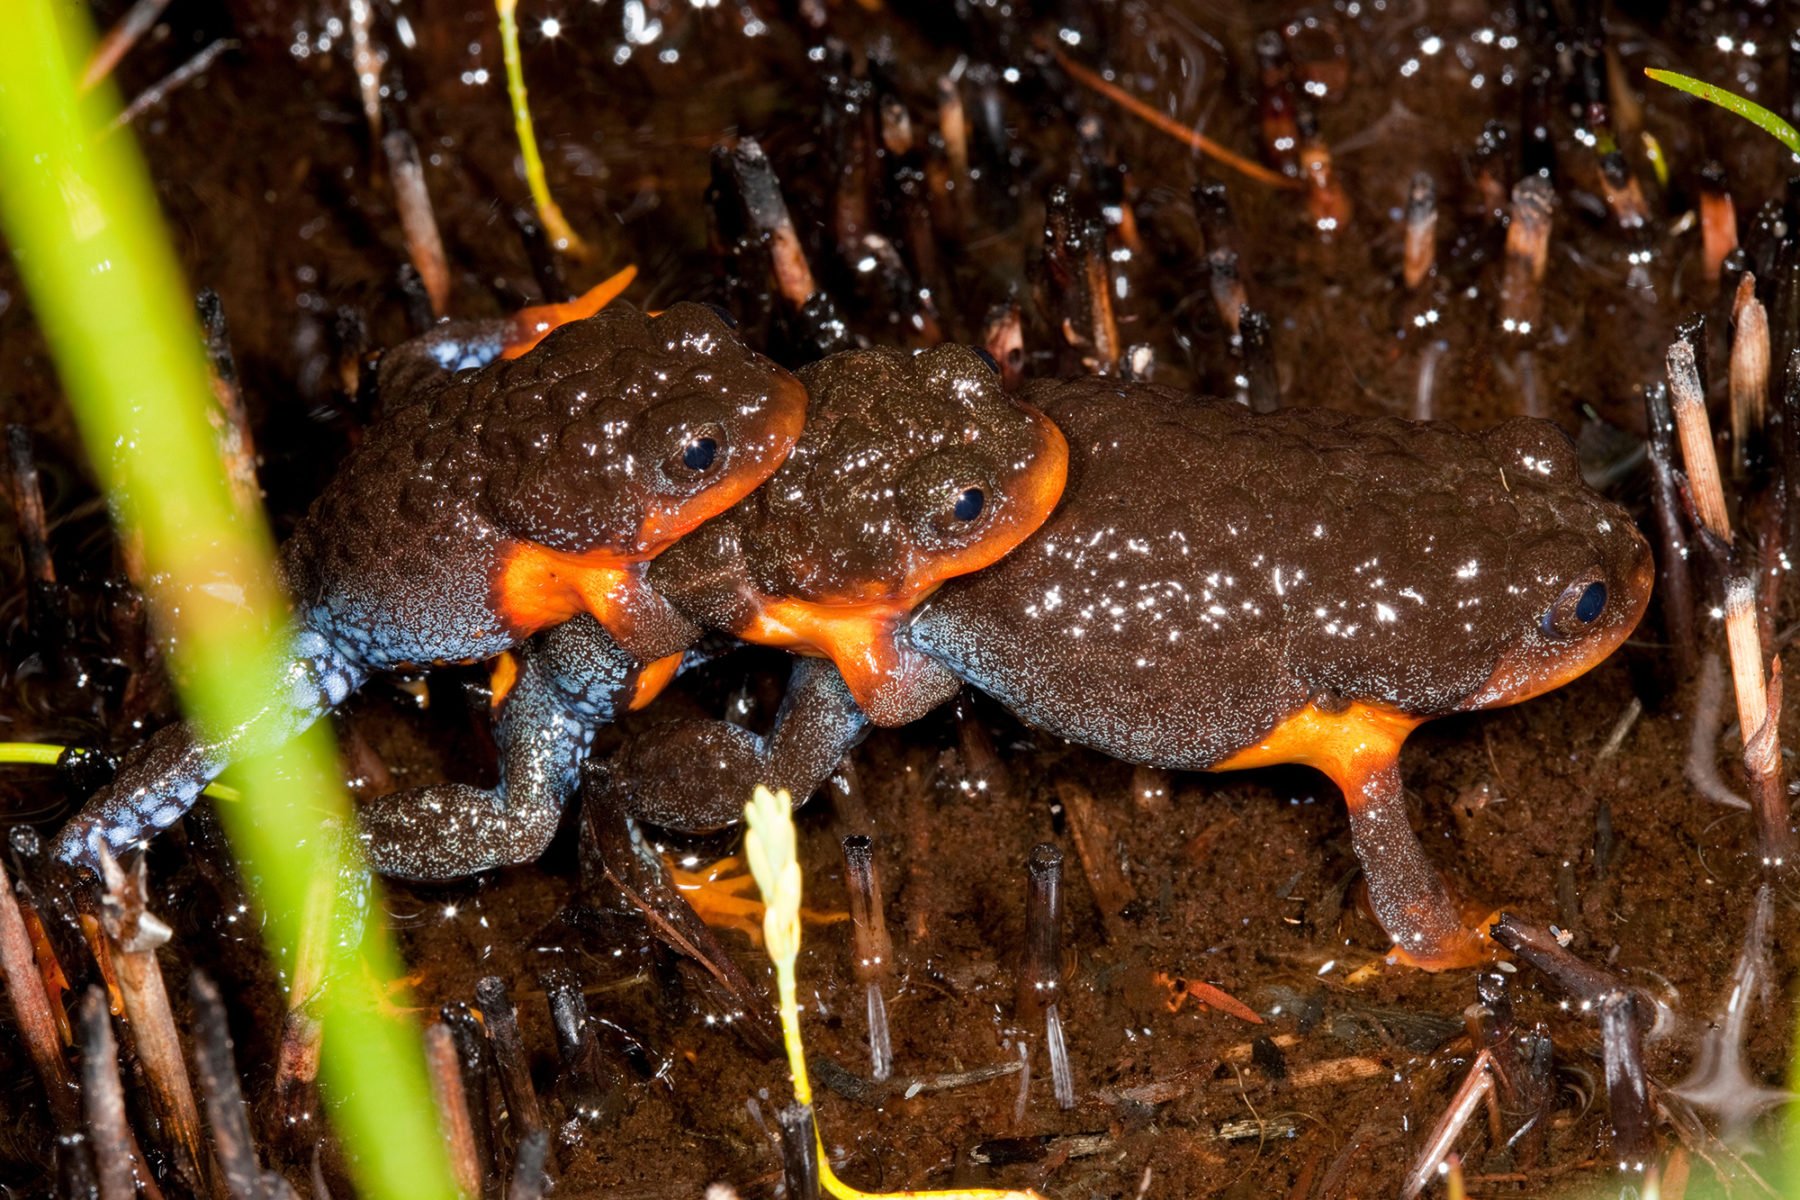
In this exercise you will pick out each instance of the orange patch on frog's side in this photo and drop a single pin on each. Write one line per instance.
(537, 587)
(857, 631)
(532, 325)
(652, 679)
(1349, 746)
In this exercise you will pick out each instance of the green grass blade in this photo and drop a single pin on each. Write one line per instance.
(1751, 111)
(84, 228)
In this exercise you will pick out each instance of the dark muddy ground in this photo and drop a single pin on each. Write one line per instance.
(278, 201)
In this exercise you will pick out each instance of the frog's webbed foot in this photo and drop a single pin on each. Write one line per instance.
(160, 781)
(1408, 895)
(695, 776)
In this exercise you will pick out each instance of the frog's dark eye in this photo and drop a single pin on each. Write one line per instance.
(1579, 606)
(968, 505)
(724, 314)
(699, 454)
(987, 358)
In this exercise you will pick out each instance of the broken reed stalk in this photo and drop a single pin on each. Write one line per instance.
(452, 1101)
(1758, 695)
(1718, 221)
(217, 1068)
(103, 1099)
(1627, 1087)
(767, 213)
(474, 1060)
(138, 20)
(367, 59)
(529, 1182)
(799, 1150)
(133, 935)
(588, 1089)
(1749, 375)
(1040, 986)
(1476, 1089)
(1527, 254)
(1674, 576)
(1326, 204)
(953, 127)
(159, 91)
(1262, 383)
(1420, 256)
(45, 614)
(418, 222)
(32, 1009)
(1097, 846)
(1759, 710)
(872, 950)
(509, 1054)
(237, 445)
(1225, 282)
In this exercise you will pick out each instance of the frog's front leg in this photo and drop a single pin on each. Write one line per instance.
(572, 680)
(695, 776)
(1408, 895)
(159, 782)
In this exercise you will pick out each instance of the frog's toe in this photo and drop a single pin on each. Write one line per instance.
(1470, 946)
(450, 831)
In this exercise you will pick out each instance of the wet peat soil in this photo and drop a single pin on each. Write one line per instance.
(278, 202)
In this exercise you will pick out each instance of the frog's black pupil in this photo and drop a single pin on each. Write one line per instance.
(1587, 609)
(988, 359)
(699, 454)
(968, 505)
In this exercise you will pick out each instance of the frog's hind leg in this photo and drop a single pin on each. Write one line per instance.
(571, 681)
(160, 781)
(1407, 893)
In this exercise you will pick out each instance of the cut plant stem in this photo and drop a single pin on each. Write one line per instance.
(412, 201)
(31, 1009)
(1627, 1090)
(1527, 255)
(1421, 231)
(1718, 221)
(872, 950)
(769, 846)
(103, 1100)
(1759, 716)
(1749, 376)
(138, 20)
(1688, 401)
(528, 1179)
(1040, 987)
(800, 1150)
(1475, 1090)
(561, 233)
(133, 935)
(217, 1068)
(452, 1101)
(509, 1054)
(1674, 576)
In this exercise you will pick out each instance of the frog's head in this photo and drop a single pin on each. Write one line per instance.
(1578, 575)
(914, 469)
(628, 431)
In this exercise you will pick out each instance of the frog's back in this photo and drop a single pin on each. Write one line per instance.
(1210, 571)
